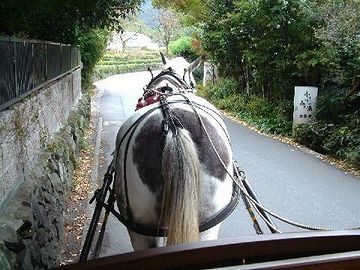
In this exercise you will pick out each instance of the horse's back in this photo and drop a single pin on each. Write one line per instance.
(139, 181)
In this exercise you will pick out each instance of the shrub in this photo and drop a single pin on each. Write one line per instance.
(269, 117)
(313, 135)
(341, 141)
(224, 88)
(198, 75)
(182, 47)
(92, 45)
(329, 106)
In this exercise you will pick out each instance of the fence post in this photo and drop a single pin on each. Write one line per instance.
(46, 61)
(61, 58)
(33, 65)
(15, 68)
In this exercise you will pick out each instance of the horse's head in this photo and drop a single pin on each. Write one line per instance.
(182, 67)
(175, 77)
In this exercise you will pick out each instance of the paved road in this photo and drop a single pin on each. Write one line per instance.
(289, 181)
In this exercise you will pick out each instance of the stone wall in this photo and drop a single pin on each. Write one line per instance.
(31, 214)
(30, 124)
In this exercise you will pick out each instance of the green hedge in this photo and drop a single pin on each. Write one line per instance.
(129, 61)
(274, 118)
(129, 56)
(103, 71)
(340, 140)
(182, 47)
(117, 63)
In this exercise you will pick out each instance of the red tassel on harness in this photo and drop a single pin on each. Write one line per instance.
(144, 102)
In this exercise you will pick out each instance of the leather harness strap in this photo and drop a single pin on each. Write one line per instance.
(172, 123)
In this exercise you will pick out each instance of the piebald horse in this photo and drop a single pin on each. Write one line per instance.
(173, 162)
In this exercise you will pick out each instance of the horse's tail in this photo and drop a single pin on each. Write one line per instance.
(180, 204)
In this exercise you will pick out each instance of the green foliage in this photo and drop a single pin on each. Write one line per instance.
(193, 11)
(268, 117)
(313, 135)
(339, 35)
(341, 141)
(258, 43)
(223, 89)
(67, 21)
(198, 75)
(182, 47)
(92, 44)
(59, 20)
(273, 45)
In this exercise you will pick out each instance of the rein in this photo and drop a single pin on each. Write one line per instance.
(262, 211)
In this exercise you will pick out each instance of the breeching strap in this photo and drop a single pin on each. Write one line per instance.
(160, 232)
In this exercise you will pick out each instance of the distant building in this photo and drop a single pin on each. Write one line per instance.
(131, 40)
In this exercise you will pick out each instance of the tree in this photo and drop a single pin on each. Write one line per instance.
(131, 28)
(66, 21)
(58, 20)
(340, 35)
(272, 45)
(168, 27)
(258, 43)
(193, 11)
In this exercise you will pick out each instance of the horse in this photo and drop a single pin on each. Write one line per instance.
(173, 163)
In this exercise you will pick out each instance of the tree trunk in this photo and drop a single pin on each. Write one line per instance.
(354, 88)
(123, 47)
(167, 49)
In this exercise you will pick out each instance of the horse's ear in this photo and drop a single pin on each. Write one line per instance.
(196, 63)
(163, 58)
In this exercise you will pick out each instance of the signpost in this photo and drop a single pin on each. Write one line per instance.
(304, 104)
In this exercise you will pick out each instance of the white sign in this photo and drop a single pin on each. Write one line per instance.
(304, 104)
(210, 73)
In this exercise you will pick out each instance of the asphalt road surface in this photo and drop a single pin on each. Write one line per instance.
(291, 182)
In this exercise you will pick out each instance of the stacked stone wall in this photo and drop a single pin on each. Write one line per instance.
(46, 141)
(26, 127)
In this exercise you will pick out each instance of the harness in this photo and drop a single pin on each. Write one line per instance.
(170, 123)
(160, 101)
(241, 187)
(152, 95)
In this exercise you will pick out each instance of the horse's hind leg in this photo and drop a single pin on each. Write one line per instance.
(211, 234)
(140, 242)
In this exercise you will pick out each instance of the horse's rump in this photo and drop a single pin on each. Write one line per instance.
(138, 157)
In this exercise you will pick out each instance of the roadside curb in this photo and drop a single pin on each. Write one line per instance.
(97, 123)
(95, 164)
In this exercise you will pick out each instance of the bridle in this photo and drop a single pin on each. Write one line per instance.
(171, 76)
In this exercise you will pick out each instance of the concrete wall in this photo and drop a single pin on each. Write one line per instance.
(29, 125)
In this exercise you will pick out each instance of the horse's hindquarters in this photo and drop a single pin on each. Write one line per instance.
(139, 181)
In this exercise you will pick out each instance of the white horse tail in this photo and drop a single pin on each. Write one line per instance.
(180, 203)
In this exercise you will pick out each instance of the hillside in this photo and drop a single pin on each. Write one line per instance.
(148, 14)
